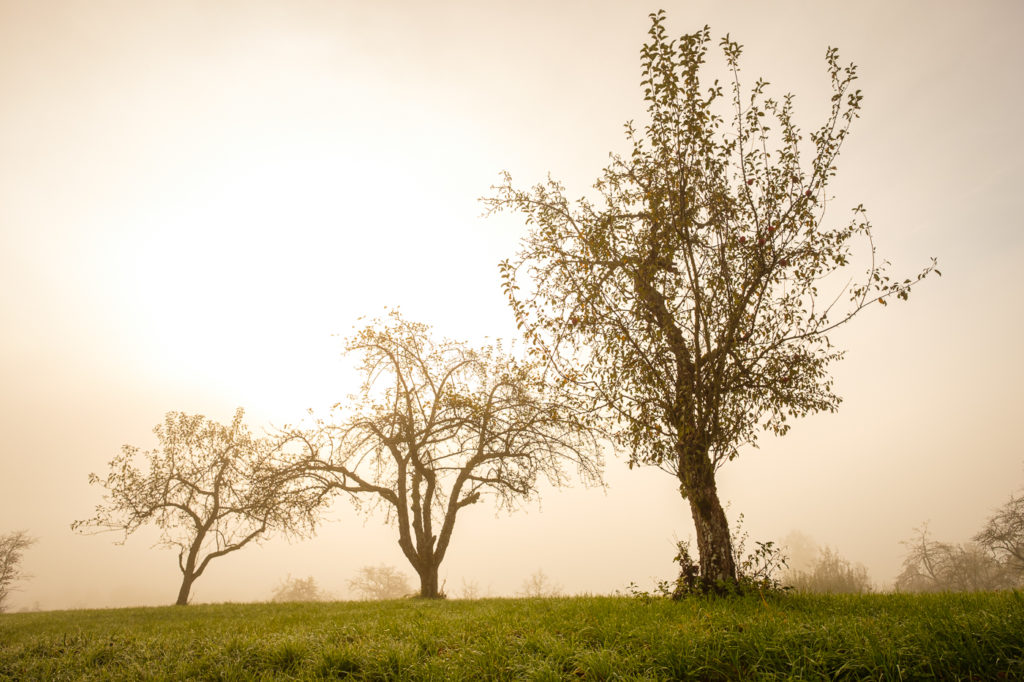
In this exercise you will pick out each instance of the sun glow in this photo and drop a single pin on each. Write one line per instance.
(240, 281)
(237, 279)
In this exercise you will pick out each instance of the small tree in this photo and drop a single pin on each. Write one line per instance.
(470, 589)
(693, 300)
(380, 582)
(540, 585)
(12, 551)
(1003, 534)
(210, 489)
(299, 589)
(437, 427)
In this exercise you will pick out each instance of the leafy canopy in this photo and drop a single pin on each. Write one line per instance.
(692, 296)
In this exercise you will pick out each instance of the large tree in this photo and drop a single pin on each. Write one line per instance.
(211, 489)
(439, 426)
(692, 296)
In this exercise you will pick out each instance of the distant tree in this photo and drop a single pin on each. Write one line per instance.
(299, 589)
(12, 552)
(210, 489)
(693, 300)
(933, 566)
(438, 426)
(830, 573)
(470, 589)
(801, 549)
(380, 582)
(1003, 534)
(35, 608)
(540, 585)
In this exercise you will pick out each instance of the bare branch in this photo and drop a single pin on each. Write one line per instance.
(438, 427)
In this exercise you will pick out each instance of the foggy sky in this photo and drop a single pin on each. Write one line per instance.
(195, 196)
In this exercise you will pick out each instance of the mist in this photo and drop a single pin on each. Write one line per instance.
(199, 203)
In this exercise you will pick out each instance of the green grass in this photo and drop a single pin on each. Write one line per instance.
(976, 636)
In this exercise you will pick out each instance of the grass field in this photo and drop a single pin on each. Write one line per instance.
(976, 636)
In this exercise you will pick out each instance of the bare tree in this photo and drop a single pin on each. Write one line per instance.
(470, 589)
(540, 585)
(380, 582)
(210, 489)
(437, 427)
(300, 589)
(933, 566)
(12, 551)
(1003, 534)
(693, 298)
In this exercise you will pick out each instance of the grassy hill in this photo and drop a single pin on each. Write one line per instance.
(968, 636)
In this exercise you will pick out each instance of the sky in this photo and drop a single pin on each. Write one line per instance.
(197, 198)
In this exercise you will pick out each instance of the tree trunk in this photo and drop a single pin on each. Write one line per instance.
(714, 544)
(186, 587)
(428, 582)
(188, 569)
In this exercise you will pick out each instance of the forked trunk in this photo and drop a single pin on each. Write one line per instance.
(714, 544)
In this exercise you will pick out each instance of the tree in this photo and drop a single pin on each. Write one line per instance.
(830, 573)
(540, 585)
(470, 589)
(12, 551)
(1003, 534)
(801, 549)
(380, 582)
(933, 566)
(210, 489)
(437, 427)
(690, 301)
(299, 589)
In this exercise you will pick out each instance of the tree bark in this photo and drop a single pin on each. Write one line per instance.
(188, 569)
(186, 587)
(428, 581)
(714, 544)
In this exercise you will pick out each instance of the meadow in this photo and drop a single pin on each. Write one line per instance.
(791, 636)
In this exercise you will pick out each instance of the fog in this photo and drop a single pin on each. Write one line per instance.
(196, 197)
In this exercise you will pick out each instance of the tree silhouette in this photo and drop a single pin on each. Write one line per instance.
(933, 566)
(1003, 534)
(210, 489)
(12, 552)
(380, 582)
(299, 589)
(438, 427)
